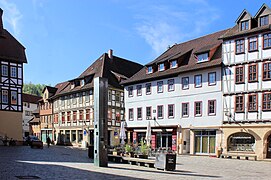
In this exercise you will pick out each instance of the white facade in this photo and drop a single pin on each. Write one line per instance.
(231, 89)
(28, 108)
(176, 97)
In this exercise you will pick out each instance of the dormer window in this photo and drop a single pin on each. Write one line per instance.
(202, 57)
(264, 20)
(161, 67)
(244, 25)
(173, 64)
(150, 70)
(82, 82)
(72, 85)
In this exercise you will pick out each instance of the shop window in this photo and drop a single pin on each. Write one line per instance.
(241, 141)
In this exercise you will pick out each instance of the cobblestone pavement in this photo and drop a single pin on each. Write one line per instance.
(58, 162)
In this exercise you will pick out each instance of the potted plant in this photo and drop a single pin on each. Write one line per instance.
(115, 152)
(129, 150)
(144, 149)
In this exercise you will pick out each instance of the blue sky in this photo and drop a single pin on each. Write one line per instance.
(63, 37)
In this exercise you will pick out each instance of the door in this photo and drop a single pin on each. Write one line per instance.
(268, 155)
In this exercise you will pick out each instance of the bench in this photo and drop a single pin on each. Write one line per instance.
(132, 161)
(239, 156)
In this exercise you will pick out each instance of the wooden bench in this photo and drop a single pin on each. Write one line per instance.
(140, 161)
(239, 156)
(132, 161)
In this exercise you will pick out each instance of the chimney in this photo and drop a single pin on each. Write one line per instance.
(110, 54)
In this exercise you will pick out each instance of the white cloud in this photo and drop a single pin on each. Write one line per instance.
(166, 24)
(12, 15)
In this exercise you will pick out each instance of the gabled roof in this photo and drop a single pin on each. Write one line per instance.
(113, 69)
(185, 54)
(264, 6)
(243, 13)
(31, 98)
(50, 89)
(11, 50)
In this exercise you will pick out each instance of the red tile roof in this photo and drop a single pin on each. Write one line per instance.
(31, 98)
(185, 54)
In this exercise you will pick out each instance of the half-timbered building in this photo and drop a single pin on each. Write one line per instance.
(247, 85)
(73, 102)
(12, 57)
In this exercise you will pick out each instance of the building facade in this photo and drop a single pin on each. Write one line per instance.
(46, 114)
(73, 102)
(247, 84)
(180, 94)
(34, 124)
(12, 57)
(30, 104)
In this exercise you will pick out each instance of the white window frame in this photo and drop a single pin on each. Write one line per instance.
(203, 57)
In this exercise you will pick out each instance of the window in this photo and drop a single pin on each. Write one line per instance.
(266, 101)
(239, 103)
(267, 40)
(109, 96)
(161, 67)
(131, 114)
(239, 74)
(239, 46)
(170, 111)
(80, 98)
(74, 100)
(149, 69)
(14, 97)
(159, 112)
(267, 71)
(88, 114)
(244, 25)
(198, 108)
(62, 101)
(139, 113)
(171, 85)
(212, 78)
(63, 117)
(211, 107)
(202, 57)
(252, 73)
(148, 88)
(185, 109)
(81, 115)
(241, 141)
(5, 96)
(69, 116)
(117, 96)
(130, 91)
(4, 70)
(253, 44)
(13, 72)
(173, 64)
(160, 86)
(264, 20)
(148, 113)
(252, 102)
(139, 90)
(198, 82)
(56, 118)
(74, 116)
(185, 83)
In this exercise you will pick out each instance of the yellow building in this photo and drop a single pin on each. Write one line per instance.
(12, 57)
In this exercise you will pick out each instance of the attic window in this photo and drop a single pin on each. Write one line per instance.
(202, 57)
(149, 70)
(244, 25)
(173, 64)
(264, 20)
(161, 67)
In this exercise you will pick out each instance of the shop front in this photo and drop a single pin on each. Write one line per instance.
(205, 141)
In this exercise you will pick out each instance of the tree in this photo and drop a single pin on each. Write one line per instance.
(34, 89)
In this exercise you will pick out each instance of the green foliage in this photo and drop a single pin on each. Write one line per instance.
(144, 148)
(128, 148)
(34, 89)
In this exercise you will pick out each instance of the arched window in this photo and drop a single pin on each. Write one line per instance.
(241, 141)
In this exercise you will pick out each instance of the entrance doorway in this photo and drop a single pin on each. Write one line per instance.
(268, 155)
(205, 142)
(164, 140)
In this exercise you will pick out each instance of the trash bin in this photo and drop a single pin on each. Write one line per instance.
(165, 161)
(91, 151)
